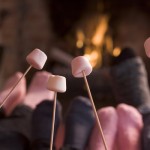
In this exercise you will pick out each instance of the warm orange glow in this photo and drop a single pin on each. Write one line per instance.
(98, 37)
(116, 51)
(80, 39)
(79, 44)
(94, 57)
(109, 44)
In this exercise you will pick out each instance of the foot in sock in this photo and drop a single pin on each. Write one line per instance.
(130, 125)
(109, 120)
(42, 123)
(17, 95)
(37, 91)
(129, 80)
(78, 124)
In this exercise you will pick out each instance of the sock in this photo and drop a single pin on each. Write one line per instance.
(129, 81)
(125, 54)
(79, 122)
(42, 123)
(145, 136)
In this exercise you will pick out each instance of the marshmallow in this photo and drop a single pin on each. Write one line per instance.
(79, 64)
(37, 59)
(57, 83)
(147, 47)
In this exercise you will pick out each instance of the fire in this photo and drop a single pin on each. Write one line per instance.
(94, 57)
(80, 39)
(102, 27)
(116, 51)
(94, 46)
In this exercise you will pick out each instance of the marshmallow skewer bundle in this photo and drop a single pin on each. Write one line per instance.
(57, 84)
(37, 60)
(81, 67)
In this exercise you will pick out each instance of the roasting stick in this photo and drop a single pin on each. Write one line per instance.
(82, 68)
(95, 112)
(36, 59)
(5, 99)
(53, 122)
(57, 84)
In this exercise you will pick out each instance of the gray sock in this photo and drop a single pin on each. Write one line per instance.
(42, 122)
(79, 122)
(130, 84)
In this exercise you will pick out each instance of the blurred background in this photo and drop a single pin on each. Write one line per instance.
(63, 29)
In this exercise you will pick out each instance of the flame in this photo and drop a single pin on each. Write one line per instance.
(93, 53)
(93, 47)
(109, 44)
(116, 51)
(80, 39)
(79, 44)
(94, 57)
(102, 27)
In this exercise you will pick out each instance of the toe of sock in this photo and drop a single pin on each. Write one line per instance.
(42, 120)
(79, 122)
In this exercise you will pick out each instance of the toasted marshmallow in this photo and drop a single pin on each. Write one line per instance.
(57, 83)
(80, 64)
(37, 59)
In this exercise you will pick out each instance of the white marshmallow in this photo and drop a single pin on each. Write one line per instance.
(79, 64)
(57, 83)
(37, 59)
(147, 47)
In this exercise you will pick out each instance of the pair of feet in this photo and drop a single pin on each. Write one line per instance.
(36, 92)
(71, 133)
(121, 126)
